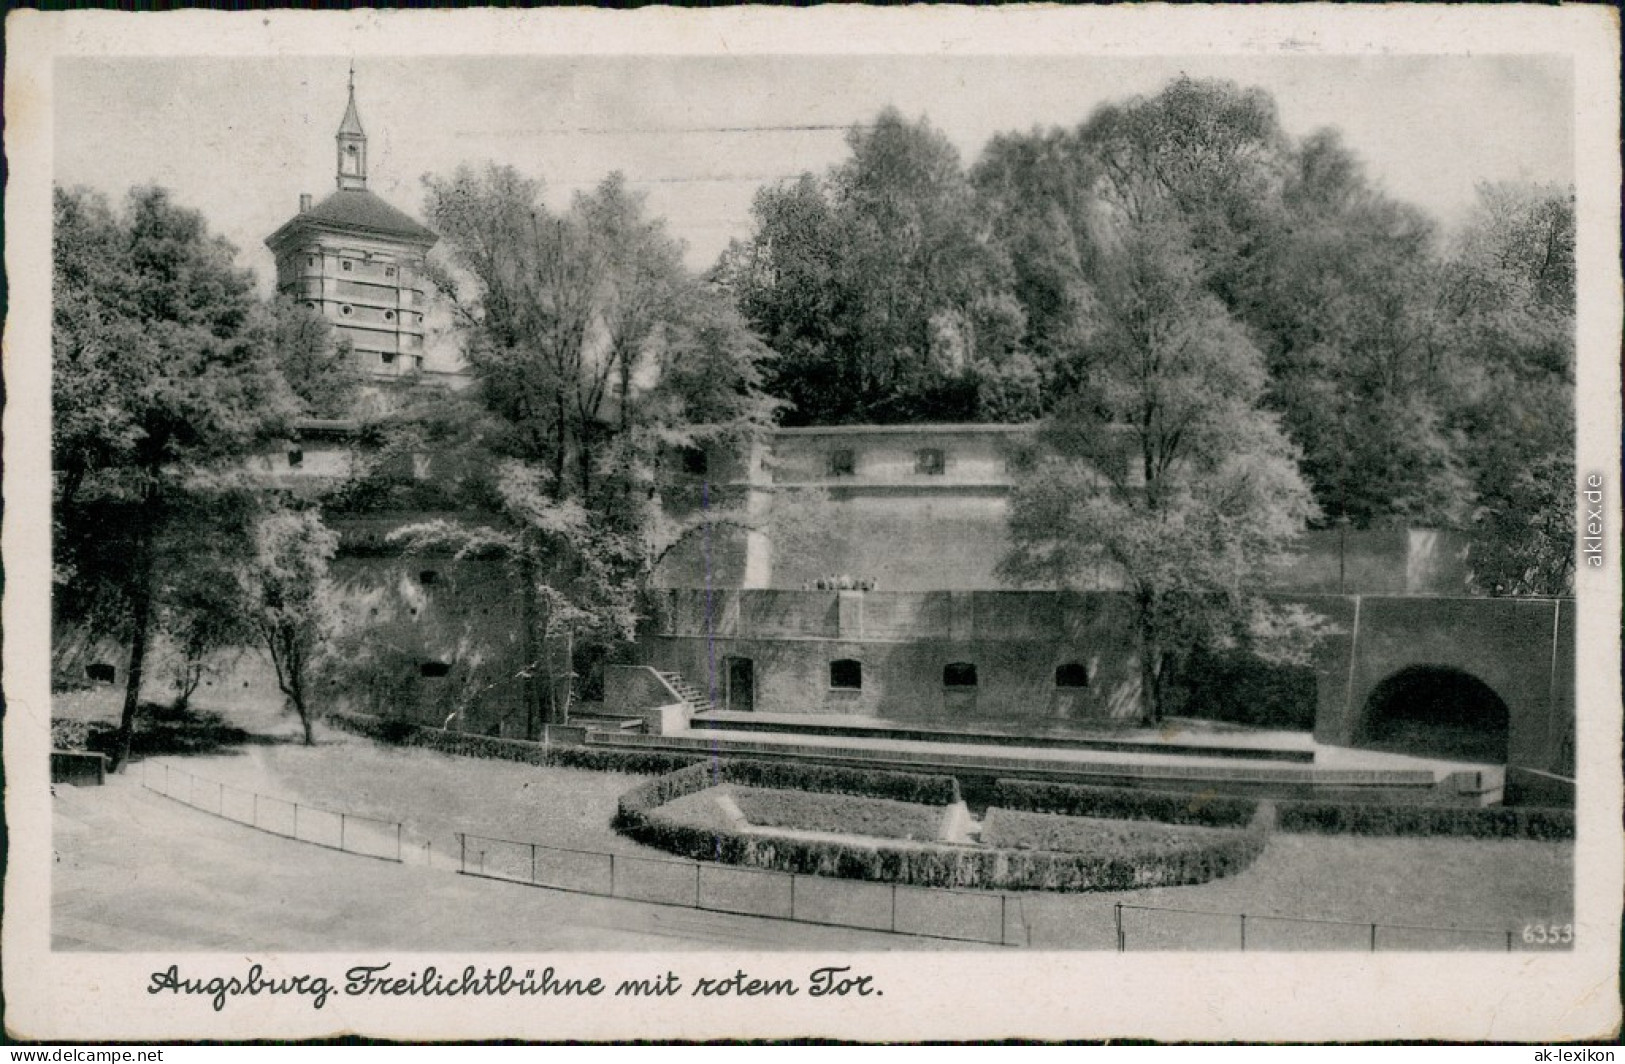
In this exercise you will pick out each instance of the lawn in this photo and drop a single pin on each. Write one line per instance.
(844, 813)
(1012, 829)
(1435, 881)
(435, 796)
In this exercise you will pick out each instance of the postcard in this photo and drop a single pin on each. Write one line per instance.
(879, 524)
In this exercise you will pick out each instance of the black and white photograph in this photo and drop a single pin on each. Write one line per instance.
(611, 525)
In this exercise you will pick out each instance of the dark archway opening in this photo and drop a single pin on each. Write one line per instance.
(1438, 711)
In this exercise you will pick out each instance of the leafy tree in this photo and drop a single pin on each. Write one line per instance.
(287, 597)
(1508, 333)
(599, 360)
(1163, 473)
(1346, 311)
(1039, 192)
(160, 385)
(878, 285)
(198, 557)
(321, 371)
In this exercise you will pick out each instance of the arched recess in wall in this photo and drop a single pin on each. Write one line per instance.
(1436, 710)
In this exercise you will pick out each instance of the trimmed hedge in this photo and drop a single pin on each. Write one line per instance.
(639, 817)
(1116, 803)
(402, 733)
(831, 779)
(1478, 822)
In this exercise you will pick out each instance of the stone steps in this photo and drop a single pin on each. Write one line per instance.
(696, 700)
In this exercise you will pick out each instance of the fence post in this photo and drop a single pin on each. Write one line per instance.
(696, 884)
(612, 875)
(220, 799)
(1122, 942)
(792, 895)
(1003, 898)
(1118, 910)
(296, 820)
(1244, 932)
(341, 831)
(533, 863)
(1509, 941)
(462, 852)
(398, 854)
(256, 814)
(1373, 938)
(894, 906)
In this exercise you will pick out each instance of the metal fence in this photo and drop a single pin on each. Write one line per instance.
(364, 836)
(1154, 927)
(924, 912)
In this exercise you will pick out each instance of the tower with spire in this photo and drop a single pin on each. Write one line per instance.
(359, 261)
(352, 145)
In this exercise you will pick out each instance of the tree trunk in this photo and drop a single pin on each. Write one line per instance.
(1150, 662)
(140, 624)
(530, 678)
(304, 718)
(296, 691)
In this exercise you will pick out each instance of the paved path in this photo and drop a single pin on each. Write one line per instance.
(136, 871)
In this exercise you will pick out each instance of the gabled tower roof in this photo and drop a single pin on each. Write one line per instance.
(351, 125)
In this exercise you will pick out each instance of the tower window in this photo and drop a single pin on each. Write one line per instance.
(387, 356)
(389, 315)
(696, 461)
(311, 304)
(842, 463)
(846, 674)
(930, 461)
(347, 265)
(428, 576)
(959, 674)
(389, 271)
(296, 458)
(346, 311)
(430, 669)
(310, 260)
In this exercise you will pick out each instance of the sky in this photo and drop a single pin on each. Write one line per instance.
(240, 139)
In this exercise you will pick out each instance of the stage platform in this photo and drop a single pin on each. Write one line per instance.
(1182, 755)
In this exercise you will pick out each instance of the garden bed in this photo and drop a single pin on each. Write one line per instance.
(651, 814)
(843, 813)
(1010, 829)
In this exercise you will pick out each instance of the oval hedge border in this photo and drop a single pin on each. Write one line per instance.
(638, 816)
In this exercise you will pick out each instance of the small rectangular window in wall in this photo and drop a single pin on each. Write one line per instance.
(296, 458)
(695, 461)
(846, 675)
(930, 461)
(432, 669)
(959, 674)
(842, 462)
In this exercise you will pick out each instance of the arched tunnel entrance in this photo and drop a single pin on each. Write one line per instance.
(1436, 710)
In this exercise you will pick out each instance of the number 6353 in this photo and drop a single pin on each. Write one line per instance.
(1548, 934)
